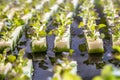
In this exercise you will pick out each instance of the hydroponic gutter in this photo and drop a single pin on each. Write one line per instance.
(63, 43)
(14, 38)
(41, 45)
(113, 22)
(93, 41)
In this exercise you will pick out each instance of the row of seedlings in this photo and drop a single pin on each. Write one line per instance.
(5, 12)
(29, 15)
(113, 19)
(93, 41)
(14, 68)
(37, 35)
(62, 40)
(20, 19)
(14, 23)
(12, 28)
(6, 7)
(63, 20)
(38, 42)
(62, 31)
(39, 25)
(65, 73)
(65, 69)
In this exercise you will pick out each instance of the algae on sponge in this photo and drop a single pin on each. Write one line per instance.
(115, 44)
(94, 45)
(39, 45)
(63, 43)
(97, 50)
(116, 48)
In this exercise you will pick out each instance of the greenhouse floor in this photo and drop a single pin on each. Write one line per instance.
(88, 66)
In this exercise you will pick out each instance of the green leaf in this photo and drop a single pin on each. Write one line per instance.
(52, 2)
(107, 70)
(69, 76)
(3, 16)
(55, 78)
(21, 53)
(102, 35)
(101, 26)
(98, 78)
(1, 57)
(71, 52)
(2, 76)
(73, 64)
(81, 25)
(26, 11)
(68, 22)
(11, 58)
(50, 33)
(117, 57)
(42, 33)
(92, 28)
(116, 48)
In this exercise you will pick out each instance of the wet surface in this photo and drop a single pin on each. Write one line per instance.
(88, 66)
